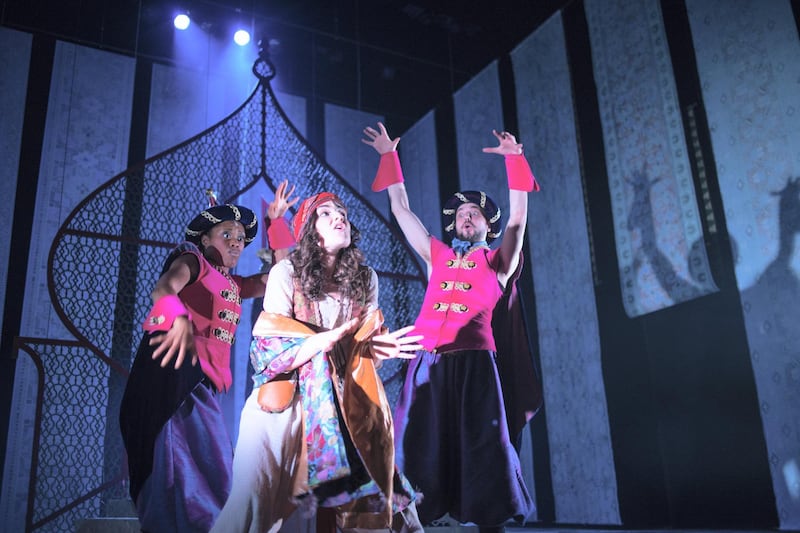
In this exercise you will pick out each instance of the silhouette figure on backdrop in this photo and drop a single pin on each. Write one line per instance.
(641, 219)
(772, 313)
(779, 271)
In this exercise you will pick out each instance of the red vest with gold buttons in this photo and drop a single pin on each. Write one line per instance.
(462, 292)
(215, 304)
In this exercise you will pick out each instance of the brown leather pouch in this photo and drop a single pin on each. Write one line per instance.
(276, 395)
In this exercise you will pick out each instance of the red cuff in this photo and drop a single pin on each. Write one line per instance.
(164, 313)
(279, 235)
(389, 171)
(520, 177)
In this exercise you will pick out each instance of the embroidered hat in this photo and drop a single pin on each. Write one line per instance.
(490, 211)
(214, 214)
(308, 206)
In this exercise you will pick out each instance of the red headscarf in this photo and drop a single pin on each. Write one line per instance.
(308, 206)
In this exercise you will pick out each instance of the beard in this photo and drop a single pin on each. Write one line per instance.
(472, 235)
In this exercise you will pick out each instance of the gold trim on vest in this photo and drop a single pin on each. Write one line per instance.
(455, 307)
(462, 263)
(228, 315)
(458, 285)
(224, 335)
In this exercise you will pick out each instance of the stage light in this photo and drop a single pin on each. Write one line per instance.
(181, 21)
(241, 37)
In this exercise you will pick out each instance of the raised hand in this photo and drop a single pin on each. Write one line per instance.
(396, 344)
(282, 201)
(508, 144)
(380, 140)
(177, 342)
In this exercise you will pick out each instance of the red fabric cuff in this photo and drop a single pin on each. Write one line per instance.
(279, 234)
(389, 171)
(520, 177)
(164, 313)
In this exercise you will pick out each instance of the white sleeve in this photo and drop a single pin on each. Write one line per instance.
(279, 294)
(372, 291)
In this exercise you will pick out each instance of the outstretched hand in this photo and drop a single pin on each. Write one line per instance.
(508, 144)
(177, 342)
(396, 344)
(282, 201)
(325, 341)
(380, 140)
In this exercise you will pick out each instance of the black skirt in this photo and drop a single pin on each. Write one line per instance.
(452, 440)
(152, 395)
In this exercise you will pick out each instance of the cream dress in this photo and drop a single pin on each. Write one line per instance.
(265, 458)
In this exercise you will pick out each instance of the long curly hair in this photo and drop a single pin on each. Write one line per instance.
(350, 273)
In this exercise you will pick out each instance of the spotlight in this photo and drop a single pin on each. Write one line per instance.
(181, 21)
(241, 37)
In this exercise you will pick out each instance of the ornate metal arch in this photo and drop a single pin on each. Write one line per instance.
(101, 268)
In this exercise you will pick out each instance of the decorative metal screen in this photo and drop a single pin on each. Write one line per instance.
(102, 266)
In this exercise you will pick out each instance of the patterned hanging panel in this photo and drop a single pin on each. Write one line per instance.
(658, 232)
(748, 58)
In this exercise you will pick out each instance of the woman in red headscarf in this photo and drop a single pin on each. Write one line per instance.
(317, 430)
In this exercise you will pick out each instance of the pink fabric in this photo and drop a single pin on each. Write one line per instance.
(389, 172)
(520, 176)
(462, 292)
(279, 234)
(213, 334)
(164, 313)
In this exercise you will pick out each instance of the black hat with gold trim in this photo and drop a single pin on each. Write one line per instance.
(216, 213)
(490, 211)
